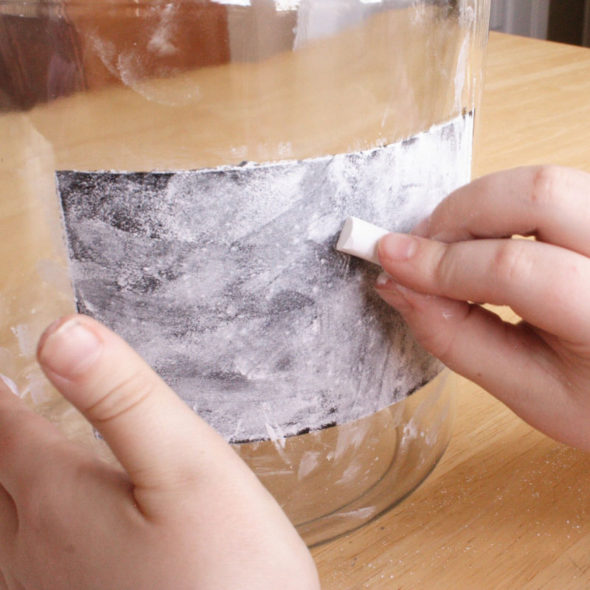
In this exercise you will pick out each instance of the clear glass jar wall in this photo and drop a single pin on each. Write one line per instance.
(267, 118)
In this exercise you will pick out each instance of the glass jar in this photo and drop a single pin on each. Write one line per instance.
(180, 171)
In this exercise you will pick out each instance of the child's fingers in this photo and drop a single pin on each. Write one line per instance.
(466, 337)
(550, 202)
(545, 285)
(156, 437)
(507, 360)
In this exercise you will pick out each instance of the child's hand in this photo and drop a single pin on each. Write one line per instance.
(184, 514)
(463, 254)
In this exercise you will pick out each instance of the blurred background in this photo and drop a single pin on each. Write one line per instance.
(30, 74)
(565, 21)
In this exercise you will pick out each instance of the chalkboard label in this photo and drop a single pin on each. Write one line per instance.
(227, 282)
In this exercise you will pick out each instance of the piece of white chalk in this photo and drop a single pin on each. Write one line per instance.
(360, 238)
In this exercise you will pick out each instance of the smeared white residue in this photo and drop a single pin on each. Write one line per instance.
(461, 73)
(427, 419)
(176, 92)
(106, 51)
(27, 343)
(465, 150)
(419, 12)
(275, 434)
(308, 463)
(467, 17)
(161, 42)
(130, 67)
(10, 384)
(285, 149)
(36, 388)
(361, 513)
(320, 228)
(349, 438)
(350, 473)
(235, 435)
(409, 432)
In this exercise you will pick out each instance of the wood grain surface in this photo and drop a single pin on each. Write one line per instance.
(506, 508)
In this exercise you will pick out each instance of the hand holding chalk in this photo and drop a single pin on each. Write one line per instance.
(465, 252)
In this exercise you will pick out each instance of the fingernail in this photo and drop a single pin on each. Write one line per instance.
(398, 247)
(69, 348)
(384, 280)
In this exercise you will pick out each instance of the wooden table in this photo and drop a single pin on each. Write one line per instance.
(506, 507)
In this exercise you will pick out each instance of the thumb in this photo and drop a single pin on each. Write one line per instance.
(147, 426)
